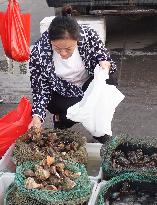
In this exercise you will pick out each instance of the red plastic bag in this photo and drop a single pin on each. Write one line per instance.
(14, 124)
(15, 32)
(1, 22)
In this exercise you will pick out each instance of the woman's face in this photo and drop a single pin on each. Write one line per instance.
(64, 47)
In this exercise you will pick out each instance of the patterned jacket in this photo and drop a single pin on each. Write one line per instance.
(43, 77)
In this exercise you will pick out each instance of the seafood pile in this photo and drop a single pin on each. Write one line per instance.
(136, 158)
(127, 154)
(132, 193)
(50, 174)
(50, 169)
(128, 189)
(36, 144)
(52, 181)
(14, 197)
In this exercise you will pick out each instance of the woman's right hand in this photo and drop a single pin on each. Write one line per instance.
(36, 122)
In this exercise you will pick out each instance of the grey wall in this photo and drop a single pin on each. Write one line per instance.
(14, 77)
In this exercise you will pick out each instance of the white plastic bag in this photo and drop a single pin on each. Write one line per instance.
(95, 111)
(5, 180)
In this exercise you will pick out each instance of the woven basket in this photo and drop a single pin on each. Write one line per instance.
(78, 195)
(126, 143)
(144, 183)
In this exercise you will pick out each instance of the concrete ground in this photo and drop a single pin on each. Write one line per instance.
(133, 45)
(136, 114)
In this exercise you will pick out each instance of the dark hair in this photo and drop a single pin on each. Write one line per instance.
(64, 27)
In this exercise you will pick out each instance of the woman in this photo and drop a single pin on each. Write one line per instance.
(62, 65)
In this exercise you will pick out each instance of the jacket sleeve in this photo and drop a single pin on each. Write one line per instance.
(99, 50)
(39, 85)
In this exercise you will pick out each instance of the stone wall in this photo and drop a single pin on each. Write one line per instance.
(14, 80)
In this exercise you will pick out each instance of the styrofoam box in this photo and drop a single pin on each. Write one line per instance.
(93, 150)
(99, 177)
(94, 184)
(5, 180)
(96, 192)
(96, 23)
(6, 163)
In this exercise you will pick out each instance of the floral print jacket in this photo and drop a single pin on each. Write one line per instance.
(43, 78)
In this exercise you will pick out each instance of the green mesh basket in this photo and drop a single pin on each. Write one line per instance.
(78, 195)
(126, 143)
(139, 182)
(28, 154)
(14, 197)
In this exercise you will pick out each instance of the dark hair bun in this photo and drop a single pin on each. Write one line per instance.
(67, 10)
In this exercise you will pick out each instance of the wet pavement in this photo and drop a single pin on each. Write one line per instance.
(133, 45)
(136, 114)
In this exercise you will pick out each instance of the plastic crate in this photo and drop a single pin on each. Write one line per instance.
(95, 184)
(6, 163)
(5, 180)
(94, 170)
(95, 194)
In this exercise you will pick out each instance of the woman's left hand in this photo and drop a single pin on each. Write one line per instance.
(36, 122)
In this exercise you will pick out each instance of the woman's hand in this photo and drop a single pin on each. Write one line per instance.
(36, 122)
(105, 65)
